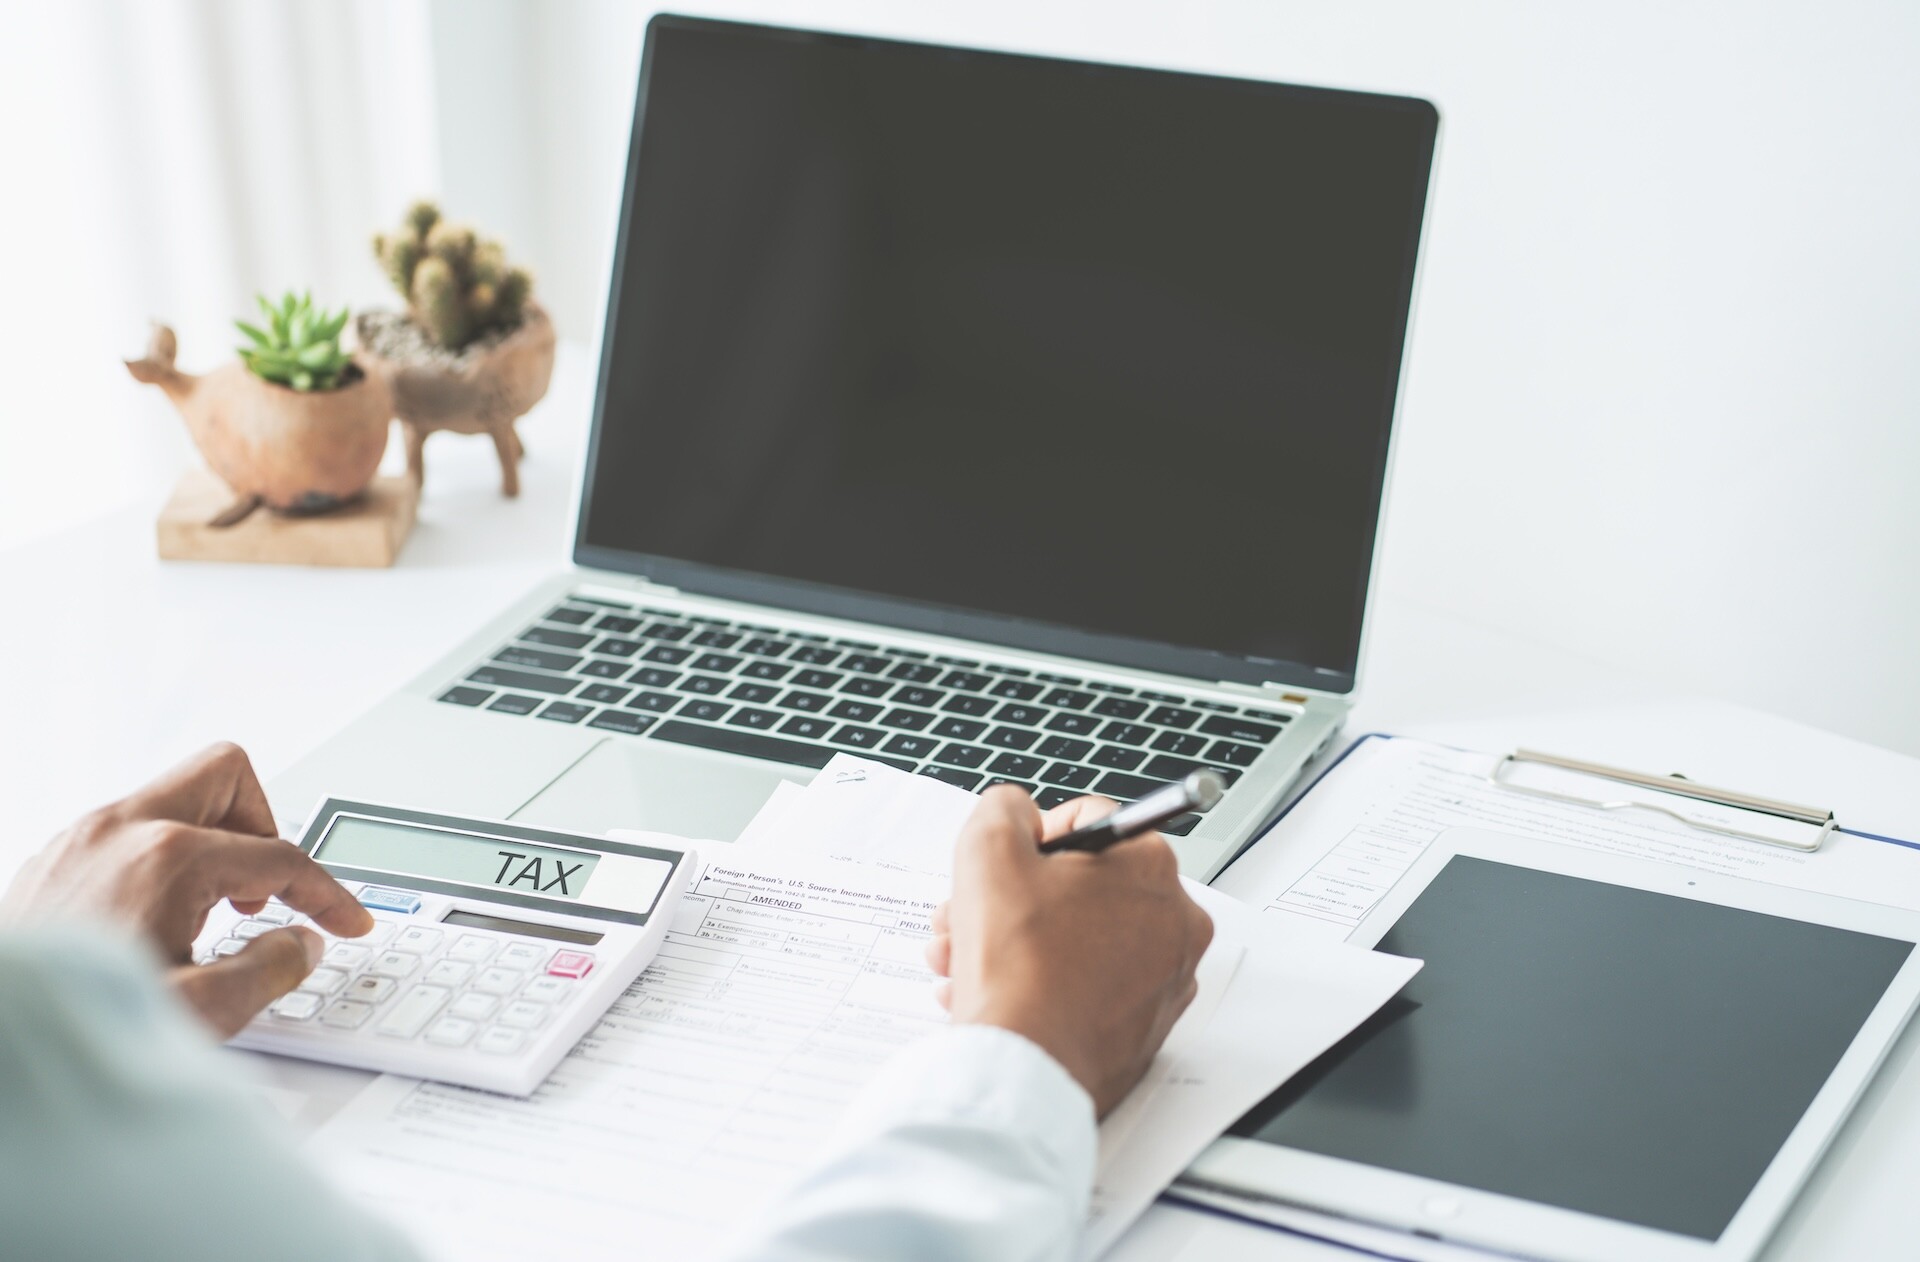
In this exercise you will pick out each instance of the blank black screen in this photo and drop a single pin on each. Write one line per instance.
(1633, 1055)
(1086, 347)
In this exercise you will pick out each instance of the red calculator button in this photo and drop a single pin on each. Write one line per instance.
(570, 964)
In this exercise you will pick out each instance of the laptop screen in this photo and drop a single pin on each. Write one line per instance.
(1078, 358)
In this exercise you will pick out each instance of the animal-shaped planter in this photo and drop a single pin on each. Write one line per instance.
(293, 451)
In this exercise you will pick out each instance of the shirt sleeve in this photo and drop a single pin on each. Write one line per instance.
(122, 1133)
(972, 1146)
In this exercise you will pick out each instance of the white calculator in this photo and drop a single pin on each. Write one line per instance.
(495, 946)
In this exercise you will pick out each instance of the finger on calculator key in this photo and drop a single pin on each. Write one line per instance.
(250, 869)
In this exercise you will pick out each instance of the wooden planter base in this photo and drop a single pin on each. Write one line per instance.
(368, 532)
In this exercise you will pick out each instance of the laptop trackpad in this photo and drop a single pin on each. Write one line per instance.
(659, 788)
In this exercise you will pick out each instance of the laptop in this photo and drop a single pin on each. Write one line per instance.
(999, 418)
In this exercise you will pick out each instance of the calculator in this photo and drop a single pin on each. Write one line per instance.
(495, 946)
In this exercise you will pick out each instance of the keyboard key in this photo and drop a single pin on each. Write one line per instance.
(548, 989)
(967, 662)
(393, 964)
(817, 679)
(766, 670)
(703, 710)
(1063, 747)
(965, 680)
(867, 686)
(617, 624)
(705, 685)
(612, 647)
(1235, 728)
(1068, 699)
(813, 729)
(865, 663)
(1234, 755)
(1021, 766)
(667, 631)
(1125, 788)
(764, 647)
(526, 681)
(603, 694)
(1175, 768)
(1073, 724)
(1120, 708)
(513, 703)
(719, 662)
(716, 639)
(965, 704)
(908, 720)
(538, 659)
(666, 655)
(1049, 797)
(859, 737)
(381, 898)
(916, 672)
(809, 702)
(858, 711)
(658, 702)
(523, 1015)
(911, 746)
(1126, 733)
(1117, 756)
(755, 694)
(228, 946)
(572, 617)
(816, 655)
(1173, 716)
(1181, 743)
(523, 955)
(1072, 681)
(1012, 737)
(913, 694)
(654, 677)
(301, 1005)
(472, 948)
(371, 991)
(554, 637)
(448, 973)
(624, 721)
(1120, 688)
(274, 914)
(417, 939)
(964, 755)
(565, 712)
(1180, 825)
(604, 668)
(1017, 689)
(451, 1032)
(410, 1016)
(248, 930)
(1069, 776)
(913, 655)
(1022, 785)
(1020, 671)
(465, 696)
(760, 720)
(733, 740)
(346, 1014)
(1025, 715)
(473, 1006)
(324, 980)
(500, 1041)
(959, 729)
(498, 981)
(954, 776)
(347, 955)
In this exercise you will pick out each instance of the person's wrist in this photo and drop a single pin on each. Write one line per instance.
(1044, 1026)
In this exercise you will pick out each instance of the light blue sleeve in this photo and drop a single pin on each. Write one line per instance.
(122, 1135)
(974, 1146)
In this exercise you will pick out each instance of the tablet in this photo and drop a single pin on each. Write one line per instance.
(1603, 1058)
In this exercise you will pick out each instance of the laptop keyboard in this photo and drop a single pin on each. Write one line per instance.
(797, 698)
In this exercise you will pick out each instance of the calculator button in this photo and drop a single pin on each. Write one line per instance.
(417, 1007)
(299, 1006)
(274, 914)
(415, 938)
(346, 1014)
(380, 898)
(448, 973)
(547, 989)
(324, 981)
(228, 946)
(474, 1006)
(522, 1015)
(250, 929)
(571, 964)
(370, 989)
(500, 1041)
(393, 964)
(497, 981)
(451, 1032)
(473, 948)
(346, 955)
(522, 955)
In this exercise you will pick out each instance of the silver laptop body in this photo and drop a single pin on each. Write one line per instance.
(999, 418)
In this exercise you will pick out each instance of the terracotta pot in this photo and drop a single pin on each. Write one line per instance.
(482, 390)
(294, 451)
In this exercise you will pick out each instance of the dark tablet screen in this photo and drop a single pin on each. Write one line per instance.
(1632, 1055)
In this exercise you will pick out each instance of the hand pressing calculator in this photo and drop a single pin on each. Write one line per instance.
(494, 948)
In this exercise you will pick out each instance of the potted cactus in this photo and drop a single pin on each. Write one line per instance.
(297, 424)
(472, 352)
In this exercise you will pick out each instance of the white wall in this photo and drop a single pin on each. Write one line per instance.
(1663, 407)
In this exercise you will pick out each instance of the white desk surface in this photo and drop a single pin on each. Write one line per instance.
(119, 664)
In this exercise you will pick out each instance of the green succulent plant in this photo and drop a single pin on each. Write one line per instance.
(457, 285)
(300, 347)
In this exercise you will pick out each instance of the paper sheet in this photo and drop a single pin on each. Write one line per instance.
(787, 980)
(1348, 841)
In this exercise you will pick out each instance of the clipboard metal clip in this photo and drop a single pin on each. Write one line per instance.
(1677, 785)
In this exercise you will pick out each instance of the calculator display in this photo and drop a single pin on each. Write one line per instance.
(501, 863)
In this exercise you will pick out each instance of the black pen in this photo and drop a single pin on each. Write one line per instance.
(1198, 791)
